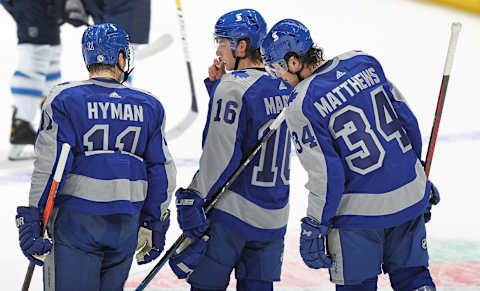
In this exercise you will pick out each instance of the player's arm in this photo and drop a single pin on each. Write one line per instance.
(55, 129)
(222, 137)
(407, 119)
(318, 156)
(161, 170)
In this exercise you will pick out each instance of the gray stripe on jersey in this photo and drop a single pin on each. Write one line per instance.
(312, 159)
(45, 148)
(49, 262)
(251, 213)
(104, 190)
(336, 60)
(170, 170)
(385, 203)
(106, 84)
(334, 249)
(397, 95)
(221, 138)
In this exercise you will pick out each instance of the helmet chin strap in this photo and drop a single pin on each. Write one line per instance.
(126, 73)
(237, 60)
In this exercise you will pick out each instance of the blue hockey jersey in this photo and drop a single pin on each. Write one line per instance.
(360, 143)
(119, 160)
(242, 105)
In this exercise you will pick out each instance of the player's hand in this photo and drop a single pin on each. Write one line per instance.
(312, 244)
(217, 70)
(190, 214)
(151, 237)
(34, 247)
(184, 262)
(434, 199)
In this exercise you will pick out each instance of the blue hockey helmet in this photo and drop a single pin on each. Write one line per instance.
(239, 24)
(287, 35)
(102, 43)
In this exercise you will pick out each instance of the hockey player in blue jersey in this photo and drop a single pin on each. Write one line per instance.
(247, 225)
(118, 180)
(361, 146)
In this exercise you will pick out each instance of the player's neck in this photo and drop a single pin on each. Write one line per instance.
(106, 74)
(247, 63)
(308, 70)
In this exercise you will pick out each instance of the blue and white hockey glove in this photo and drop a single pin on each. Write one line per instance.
(151, 237)
(33, 246)
(190, 214)
(312, 244)
(184, 262)
(434, 199)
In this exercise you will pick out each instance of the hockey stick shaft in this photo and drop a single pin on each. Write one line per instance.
(211, 203)
(181, 21)
(57, 177)
(455, 31)
(187, 121)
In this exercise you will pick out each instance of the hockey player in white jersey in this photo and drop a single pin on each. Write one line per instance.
(247, 225)
(118, 179)
(361, 146)
(39, 52)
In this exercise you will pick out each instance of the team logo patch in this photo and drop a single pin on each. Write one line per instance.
(424, 243)
(33, 31)
(306, 232)
(340, 74)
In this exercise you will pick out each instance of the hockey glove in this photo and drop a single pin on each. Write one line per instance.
(151, 237)
(312, 244)
(185, 262)
(190, 214)
(34, 247)
(434, 199)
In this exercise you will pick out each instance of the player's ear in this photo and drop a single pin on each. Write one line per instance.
(294, 64)
(121, 59)
(241, 49)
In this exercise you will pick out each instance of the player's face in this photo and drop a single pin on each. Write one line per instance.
(224, 53)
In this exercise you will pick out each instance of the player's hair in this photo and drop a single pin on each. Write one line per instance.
(97, 68)
(252, 53)
(313, 56)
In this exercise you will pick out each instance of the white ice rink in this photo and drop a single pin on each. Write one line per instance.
(409, 38)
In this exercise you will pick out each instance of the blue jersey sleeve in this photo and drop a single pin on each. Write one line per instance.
(318, 156)
(55, 129)
(161, 170)
(407, 119)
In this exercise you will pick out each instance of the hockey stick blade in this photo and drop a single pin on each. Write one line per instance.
(159, 45)
(211, 203)
(183, 125)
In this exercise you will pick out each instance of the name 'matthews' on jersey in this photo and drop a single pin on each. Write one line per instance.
(350, 126)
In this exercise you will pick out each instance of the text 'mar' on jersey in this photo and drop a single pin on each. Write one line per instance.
(119, 159)
(360, 144)
(242, 106)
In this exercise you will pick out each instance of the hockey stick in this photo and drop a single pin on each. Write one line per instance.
(159, 45)
(57, 177)
(455, 31)
(211, 203)
(180, 128)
